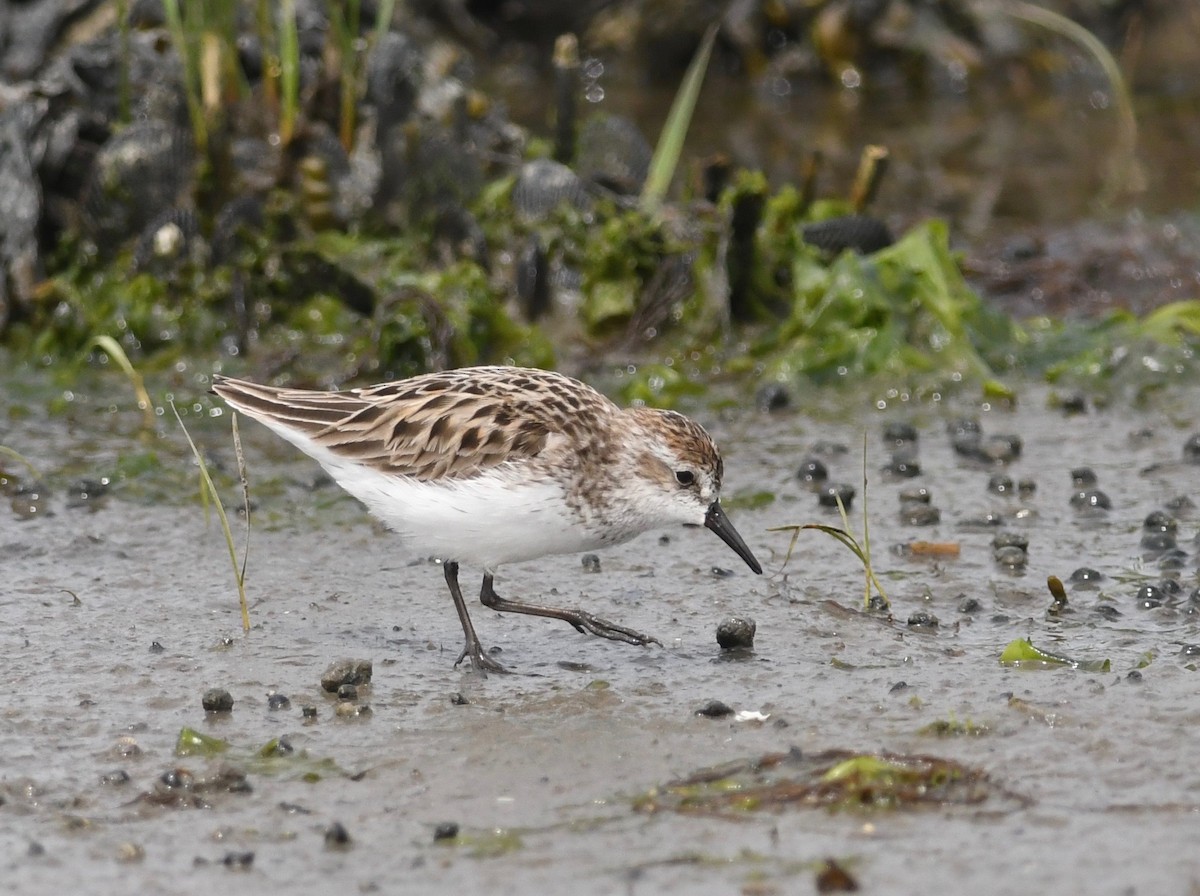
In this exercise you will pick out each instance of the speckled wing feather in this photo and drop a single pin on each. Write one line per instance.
(449, 425)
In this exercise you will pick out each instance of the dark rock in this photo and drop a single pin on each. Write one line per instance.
(217, 700)
(445, 830)
(736, 632)
(336, 836)
(590, 562)
(1091, 499)
(829, 495)
(812, 471)
(922, 619)
(714, 709)
(772, 397)
(277, 702)
(355, 672)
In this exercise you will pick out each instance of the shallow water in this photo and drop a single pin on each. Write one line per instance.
(1097, 785)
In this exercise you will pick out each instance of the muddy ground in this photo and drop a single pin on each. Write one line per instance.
(120, 614)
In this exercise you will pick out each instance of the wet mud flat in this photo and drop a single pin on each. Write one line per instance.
(590, 768)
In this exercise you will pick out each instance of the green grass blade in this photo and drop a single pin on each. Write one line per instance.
(206, 479)
(21, 459)
(1123, 174)
(191, 73)
(670, 141)
(289, 68)
(113, 349)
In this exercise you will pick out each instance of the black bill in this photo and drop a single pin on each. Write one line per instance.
(716, 520)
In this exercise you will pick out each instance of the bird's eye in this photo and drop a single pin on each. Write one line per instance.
(685, 477)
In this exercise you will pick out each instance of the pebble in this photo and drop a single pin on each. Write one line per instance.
(916, 495)
(812, 471)
(347, 692)
(1085, 575)
(1090, 499)
(1191, 450)
(903, 465)
(920, 514)
(772, 397)
(1011, 556)
(356, 672)
(217, 700)
(445, 830)
(1149, 597)
(1083, 477)
(897, 434)
(922, 619)
(336, 836)
(828, 496)
(736, 632)
(1000, 484)
(714, 709)
(1010, 540)
(277, 702)
(590, 562)
(240, 861)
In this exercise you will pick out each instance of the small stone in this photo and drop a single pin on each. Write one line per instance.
(309, 712)
(1190, 651)
(1108, 611)
(1149, 597)
(1191, 450)
(829, 495)
(115, 778)
(1085, 575)
(916, 495)
(920, 514)
(1090, 499)
(714, 709)
(922, 619)
(1134, 676)
(1011, 556)
(276, 702)
(591, 562)
(217, 700)
(356, 672)
(457, 699)
(239, 861)
(156, 647)
(720, 572)
(1073, 403)
(1083, 477)
(1026, 488)
(445, 830)
(897, 434)
(336, 836)
(1158, 521)
(969, 605)
(1000, 484)
(772, 397)
(812, 471)
(1010, 540)
(347, 692)
(898, 687)
(736, 632)
(1158, 543)
(1001, 449)
(903, 465)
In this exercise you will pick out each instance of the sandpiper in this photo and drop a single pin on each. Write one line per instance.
(491, 465)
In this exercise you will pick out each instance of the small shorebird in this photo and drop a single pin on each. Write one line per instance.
(491, 465)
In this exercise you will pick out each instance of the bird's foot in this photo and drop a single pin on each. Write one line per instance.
(480, 661)
(594, 625)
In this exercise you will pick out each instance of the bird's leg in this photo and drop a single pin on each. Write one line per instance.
(583, 622)
(480, 661)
